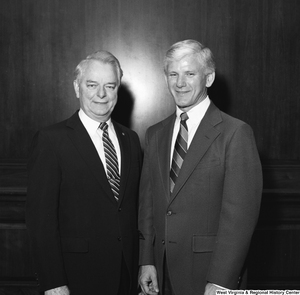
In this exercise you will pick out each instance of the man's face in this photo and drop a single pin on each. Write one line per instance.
(187, 82)
(97, 90)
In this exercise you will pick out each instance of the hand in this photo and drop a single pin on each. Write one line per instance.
(210, 289)
(148, 280)
(64, 290)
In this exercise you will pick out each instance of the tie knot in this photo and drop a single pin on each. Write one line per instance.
(103, 126)
(184, 116)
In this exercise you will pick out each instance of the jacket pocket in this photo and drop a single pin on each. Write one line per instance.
(202, 244)
(76, 245)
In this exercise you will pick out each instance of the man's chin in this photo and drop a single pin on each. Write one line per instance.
(100, 116)
(181, 104)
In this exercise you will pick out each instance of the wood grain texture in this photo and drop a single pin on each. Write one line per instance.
(257, 50)
(255, 44)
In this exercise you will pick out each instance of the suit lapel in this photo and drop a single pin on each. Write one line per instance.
(164, 140)
(203, 139)
(81, 139)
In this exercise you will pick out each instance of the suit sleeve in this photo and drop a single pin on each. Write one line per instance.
(240, 208)
(44, 178)
(146, 212)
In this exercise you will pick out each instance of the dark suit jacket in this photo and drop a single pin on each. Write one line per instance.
(77, 229)
(205, 225)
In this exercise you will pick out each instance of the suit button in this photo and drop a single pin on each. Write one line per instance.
(119, 209)
(119, 239)
(163, 242)
(169, 213)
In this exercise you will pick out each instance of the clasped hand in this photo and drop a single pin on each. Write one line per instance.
(148, 280)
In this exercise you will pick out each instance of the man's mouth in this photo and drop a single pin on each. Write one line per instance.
(182, 92)
(100, 102)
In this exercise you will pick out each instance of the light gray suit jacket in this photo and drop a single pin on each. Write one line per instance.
(205, 226)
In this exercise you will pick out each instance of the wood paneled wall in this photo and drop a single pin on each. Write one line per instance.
(255, 43)
(274, 255)
(257, 50)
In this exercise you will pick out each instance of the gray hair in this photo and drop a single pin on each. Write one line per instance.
(189, 47)
(101, 56)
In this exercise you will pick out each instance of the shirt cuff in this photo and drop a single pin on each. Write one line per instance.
(222, 288)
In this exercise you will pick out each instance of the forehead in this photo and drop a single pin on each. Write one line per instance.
(97, 70)
(187, 63)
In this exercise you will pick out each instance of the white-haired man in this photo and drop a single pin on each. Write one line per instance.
(82, 192)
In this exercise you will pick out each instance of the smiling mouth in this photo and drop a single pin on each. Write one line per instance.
(100, 102)
(182, 92)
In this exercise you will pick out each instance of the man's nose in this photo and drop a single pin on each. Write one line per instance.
(101, 92)
(180, 82)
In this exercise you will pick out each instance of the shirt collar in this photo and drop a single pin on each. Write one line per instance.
(196, 113)
(91, 125)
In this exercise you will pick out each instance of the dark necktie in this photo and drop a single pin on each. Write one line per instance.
(111, 160)
(180, 150)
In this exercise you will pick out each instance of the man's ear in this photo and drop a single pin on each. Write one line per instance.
(76, 88)
(210, 78)
(166, 78)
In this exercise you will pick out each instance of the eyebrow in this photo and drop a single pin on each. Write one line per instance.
(92, 81)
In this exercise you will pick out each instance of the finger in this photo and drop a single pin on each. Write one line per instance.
(154, 286)
(148, 291)
(144, 288)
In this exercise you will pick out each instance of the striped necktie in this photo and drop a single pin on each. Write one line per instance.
(180, 150)
(111, 160)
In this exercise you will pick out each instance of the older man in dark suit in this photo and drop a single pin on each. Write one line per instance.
(200, 189)
(82, 192)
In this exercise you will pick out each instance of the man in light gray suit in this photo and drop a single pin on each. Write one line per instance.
(201, 186)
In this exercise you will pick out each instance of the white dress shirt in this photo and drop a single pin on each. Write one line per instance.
(95, 134)
(195, 115)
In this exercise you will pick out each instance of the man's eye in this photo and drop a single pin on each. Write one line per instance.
(91, 86)
(111, 87)
(191, 74)
(172, 75)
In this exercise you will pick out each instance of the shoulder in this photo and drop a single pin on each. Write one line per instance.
(232, 121)
(54, 128)
(60, 127)
(218, 118)
(51, 133)
(227, 125)
(236, 131)
(163, 124)
(55, 133)
(221, 120)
